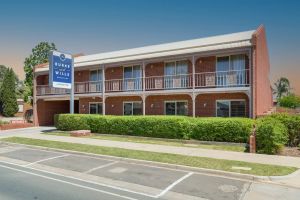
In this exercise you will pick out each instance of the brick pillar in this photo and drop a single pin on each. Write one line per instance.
(252, 141)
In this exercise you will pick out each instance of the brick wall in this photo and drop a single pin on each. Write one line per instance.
(262, 92)
(114, 105)
(47, 109)
(205, 64)
(84, 104)
(155, 105)
(206, 103)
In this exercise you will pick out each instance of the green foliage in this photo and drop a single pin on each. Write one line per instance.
(174, 127)
(39, 55)
(9, 105)
(271, 135)
(222, 129)
(292, 123)
(2, 72)
(3, 122)
(289, 101)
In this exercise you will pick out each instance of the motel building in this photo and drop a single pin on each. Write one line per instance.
(220, 76)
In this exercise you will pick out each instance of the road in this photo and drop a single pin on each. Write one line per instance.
(34, 173)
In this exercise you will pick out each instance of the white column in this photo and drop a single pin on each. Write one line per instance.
(193, 95)
(103, 90)
(250, 96)
(144, 104)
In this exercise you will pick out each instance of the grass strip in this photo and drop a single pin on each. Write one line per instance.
(144, 140)
(201, 162)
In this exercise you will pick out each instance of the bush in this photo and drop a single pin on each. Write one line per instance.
(222, 129)
(68, 122)
(290, 101)
(174, 127)
(292, 123)
(271, 135)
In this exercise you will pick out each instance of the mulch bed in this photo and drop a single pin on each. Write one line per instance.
(15, 125)
(290, 151)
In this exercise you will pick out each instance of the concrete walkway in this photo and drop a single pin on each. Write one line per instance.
(189, 151)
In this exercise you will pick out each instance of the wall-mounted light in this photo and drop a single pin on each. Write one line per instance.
(204, 105)
(112, 105)
(152, 105)
(112, 70)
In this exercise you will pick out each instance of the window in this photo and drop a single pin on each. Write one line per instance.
(235, 64)
(132, 108)
(176, 74)
(95, 108)
(95, 84)
(231, 108)
(133, 78)
(176, 108)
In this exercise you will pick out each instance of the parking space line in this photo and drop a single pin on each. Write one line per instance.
(79, 179)
(100, 167)
(51, 158)
(173, 185)
(67, 182)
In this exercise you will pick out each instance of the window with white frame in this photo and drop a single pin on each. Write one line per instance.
(176, 74)
(176, 108)
(95, 108)
(235, 64)
(133, 77)
(231, 108)
(132, 108)
(95, 84)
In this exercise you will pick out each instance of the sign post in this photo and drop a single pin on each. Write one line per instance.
(61, 73)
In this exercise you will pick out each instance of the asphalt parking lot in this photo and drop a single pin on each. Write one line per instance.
(112, 178)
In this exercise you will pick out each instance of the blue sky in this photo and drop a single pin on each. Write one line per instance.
(98, 26)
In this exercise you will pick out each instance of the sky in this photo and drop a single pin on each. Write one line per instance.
(91, 26)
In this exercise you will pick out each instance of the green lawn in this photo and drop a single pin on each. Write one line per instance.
(201, 162)
(137, 139)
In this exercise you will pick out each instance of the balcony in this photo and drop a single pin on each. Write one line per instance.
(238, 78)
(80, 88)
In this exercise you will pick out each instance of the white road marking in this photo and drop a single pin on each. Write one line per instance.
(51, 158)
(100, 167)
(173, 185)
(67, 182)
(79, 179)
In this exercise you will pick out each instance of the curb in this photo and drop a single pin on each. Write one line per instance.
(214, 172)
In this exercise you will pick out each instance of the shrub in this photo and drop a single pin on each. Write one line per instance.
(271, 135)
(174, 127)
(222, 129)
(292, 123)
(290, 101)
(69, 122)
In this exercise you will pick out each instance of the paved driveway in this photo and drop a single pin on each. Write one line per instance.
(34, 173)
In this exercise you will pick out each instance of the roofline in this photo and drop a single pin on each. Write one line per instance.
(219, 42)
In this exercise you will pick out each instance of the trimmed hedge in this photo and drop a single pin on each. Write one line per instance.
(173, 127)
(271, 135)
(292, 123)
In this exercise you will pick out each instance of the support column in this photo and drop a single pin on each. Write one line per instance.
(35, 117)
(194, 104)
(103, 90)
(193, 95)
(250, 96)
(144, 104)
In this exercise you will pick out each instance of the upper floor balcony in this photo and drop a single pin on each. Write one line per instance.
(218, 79)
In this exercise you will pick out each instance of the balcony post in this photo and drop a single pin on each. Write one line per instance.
(35, 117)
(144, 76)
(193, 95)
(103, 90)
(144, 104)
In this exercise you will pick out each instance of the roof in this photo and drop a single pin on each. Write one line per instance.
(233, 40)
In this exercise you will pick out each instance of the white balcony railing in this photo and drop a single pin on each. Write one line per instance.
(122, 85)
(169, 82)
(80, 88)
(238, 78)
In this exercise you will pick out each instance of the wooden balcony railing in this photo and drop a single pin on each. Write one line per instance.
(237, 78)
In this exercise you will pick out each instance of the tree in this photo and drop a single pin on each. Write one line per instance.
(9, 105)
(282, 87)
(2, 72)
(39, 55)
